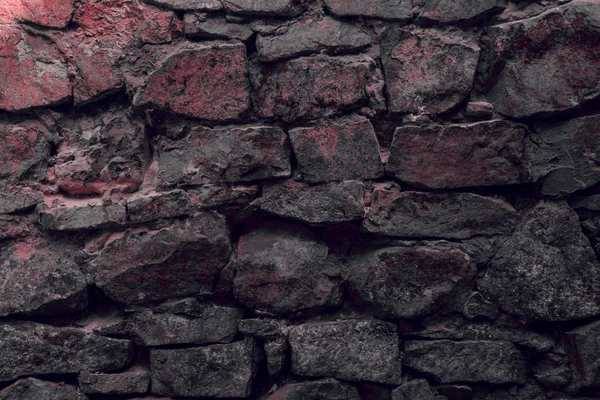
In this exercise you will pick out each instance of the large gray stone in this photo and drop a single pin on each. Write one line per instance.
(383, 9)
(326, 389)
(35, 389)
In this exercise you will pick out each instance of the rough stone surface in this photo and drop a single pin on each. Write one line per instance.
(337, 151)
(384, 9)
(187, 5)
(221, 370)
(323, 204)
(448, 215)
(448, 11)
(214, 196)
(133, 381)
(34, 389)
(318, 86)
(25, 150)
(131, 267)
(564, 155)
(276, 352)
(423, 73)
(415, 389)
(282, 269)
(453, 156)
(29, 348)
(279, 8)
(50, 13)
(326, 389)
(82, 218)
(197, 27)
(549, 266)
(447, 361)
(543, 64)
(582, 350)
(398, 282)
(144, 208)
(233, 154)
(14, 199)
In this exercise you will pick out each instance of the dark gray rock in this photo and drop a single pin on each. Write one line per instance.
(149, 207)
(277, 356)
(452, 11)
(35, 389)
(79, 218)
(132, 381)
(493, 362)
(279, 8)
(478, 306)
(216, 196)
(14, 199)
(383, 9)
(326, 389)
(412, 390)
(262, 328)
(582, 348)
(354, 350)
(220, 370)
(198, 27)
(590, 203)
(187, 5)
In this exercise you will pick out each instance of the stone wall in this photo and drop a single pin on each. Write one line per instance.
(300, 199)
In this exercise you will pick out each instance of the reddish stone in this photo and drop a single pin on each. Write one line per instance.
(223, 154)
(51, 13)
(32, 71)
(209, 82)
(383, 9)
(149, 207)
(452, 156)
(34, 389)
(337, 151)
(14, 226)
(25, 150)
(181, 259)
(551, 59)
(312, 35)
(281, 269)
(132, 381)
(280, 8)
(452, 11)
(428, 71)
(319, 86)
(440, 215)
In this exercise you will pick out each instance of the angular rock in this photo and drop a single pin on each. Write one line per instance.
(283, 269)
(262, 328)
(206, 81)
(479, 109)
(29, 348)
(564, 155)
(214, 196)
(493, 362)
(50, 13)
(318, 86)
(145, 208)
(550, 59)
(101, 152)
(383, 9)
(324, 204)
(35, 389)
(547, 270)
(276, 355)
(14, 226)
(41, 278)
(82, 218)
(453, 156)
(132, 381)
(397, 282)
(310, 35)
(25, 150)
(188, 5)
(415, 389)
(182, 259)
(219, 155)
(278, 8)
(221, 370)
(14, 199)
(428, 71)
(326, 389)
(582, 350)
(32, 71)
(479, 306)
(452, 11)
(337, 151)
(354, 350)
(214, 28)
(590, 203)
(439, 215)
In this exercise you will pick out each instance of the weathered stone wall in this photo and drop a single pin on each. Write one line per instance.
(300, 199)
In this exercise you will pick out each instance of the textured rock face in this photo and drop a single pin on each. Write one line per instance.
(50, 13)
(14, 199)
(582, 348)
(154, 206)
(25, 150)
(282, 8)
(453, 156)
(186, 5)
(133, 381)
(415, 389)
(351, 350)
(81, 218)
(549, 58)
(196, 25)
(33, 389)
(326, 389)
(384, 9)
(448, 11)
(549, 265)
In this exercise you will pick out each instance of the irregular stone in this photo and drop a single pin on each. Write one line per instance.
(262, 328)
(81, 218)
(209, 81)
(283, 269)
(324, 204)
(59, 287)
(29, 348)
(590, 203)
(550, 59)
(279, 8)
(493, 362)
(35, 389)
(310, 35)
(214, 196)
(326, 389)
(553, 370)
(354, 350)
(214, 28)
(337, 151)
(276, 354)
(439, 215)
(582, 348)
(182, 259)
(563, 155)
(14, 226)
(452, 11)
(479, 109)
(397, 282)
(462, 155)
(101, 152)
(221, 370)
(479, 306)
(428, 71)
(32, 71)
(548, 266)
(25, 150)
(132, 381)
(188, 5)
(50, 13)
(415, 389)
(383, 9)
(318, 86)
(14, 199)
(145, 208)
